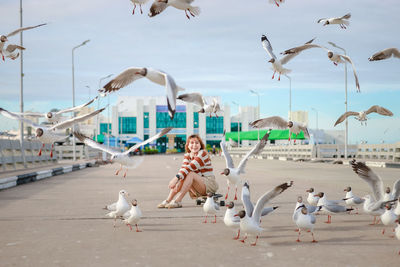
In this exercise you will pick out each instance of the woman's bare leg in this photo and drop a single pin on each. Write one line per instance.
(192, 180)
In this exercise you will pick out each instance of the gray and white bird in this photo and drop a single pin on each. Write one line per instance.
(48, 135)
(140, 3)
(304, 221)
(277, 65)
(342, 21)
(388, 218)
(11, 48)
(121, 206)
(231, 220)
(123, 158)
(12, 51)
(276, 122)
(210, 207)
(156, 76)
(132, 216)
(199, 100)
(351, 199)
(299, 203)
(55, 117)
(250, 225)
(159, 6)
(312, 199)
(248, 204)
(233, 174)
(330, 206)
(362, 115)
(385, 54)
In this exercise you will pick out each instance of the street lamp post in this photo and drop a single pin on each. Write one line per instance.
(21, 93)
(290, 97)
(98, 106)
(119, 133)
(346, 133)
(73, 93)
(233, 102)
(258, 110)
(316, 116)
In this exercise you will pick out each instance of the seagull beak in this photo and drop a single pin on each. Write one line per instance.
(270, 60)
(316, 195)
(222, 173)
(235, 215)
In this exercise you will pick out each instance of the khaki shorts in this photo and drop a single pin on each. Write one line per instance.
(211, 186)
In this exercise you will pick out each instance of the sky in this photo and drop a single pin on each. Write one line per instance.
(216, 53)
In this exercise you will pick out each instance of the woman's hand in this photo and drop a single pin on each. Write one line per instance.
(172, 184)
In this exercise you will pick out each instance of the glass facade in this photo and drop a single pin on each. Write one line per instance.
(163, 120)
(103, 128)
(127, 124)
(214, 125)
(234, 126)
(145, 120)
(180, 142)
(195, 120)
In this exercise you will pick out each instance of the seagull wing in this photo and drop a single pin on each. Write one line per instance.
(345, 115)
(396, 190)
(93, 144)
(31, 114)
(274, 122)
(171, 88)
(14, 116)
(354, 70)
(373, 180)
(305, 131)
(320, 20)
(227, 156)
(11, 48)
(123, 79)
(195, 98)
(151, 139)
(301, 48)
(267, 46)
(246, 201)
(156, 8)
(256, 149)
(347, 16)
(379, 110)
(72, 121)
(267, 197)
(23, 29)
(77, 107)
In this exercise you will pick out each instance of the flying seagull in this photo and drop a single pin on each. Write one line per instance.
(342, 21)
(140, 3)
(385, 54)
(159, 6)
(199, 100)
(362, 115)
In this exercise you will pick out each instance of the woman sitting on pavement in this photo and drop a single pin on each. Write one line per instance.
(195, 175)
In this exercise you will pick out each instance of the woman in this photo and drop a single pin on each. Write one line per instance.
(195, 176)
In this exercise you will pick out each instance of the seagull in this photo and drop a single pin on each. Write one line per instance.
(299, 203)
(387, 196)
(121, 206)
(342, 21)
(374, 205)
(362, 115)
(312, 199)
(388, 218)
(304, 221)
(156, 76)
(334, 57)
(211, 207)
(199, 100)
(397, 230)
(124, 158)
(397, 209)
(277, 64)
(276, 2)
(4, 39)
(159, 6)
(133, 216)
(11, 51)
(140, 3)
(233, 174)
(47, 135)
(248, 205)
(231, 220)
(351, 199)
(55, 117)
(330, 206)
(276, 122)
(385, 54)
(250, 225)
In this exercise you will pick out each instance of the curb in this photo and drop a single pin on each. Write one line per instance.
(25, 178)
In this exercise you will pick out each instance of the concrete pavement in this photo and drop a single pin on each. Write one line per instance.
(60, 221)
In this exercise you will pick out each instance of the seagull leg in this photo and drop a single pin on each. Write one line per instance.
(245, 237)
(276, 3)
(313, 239)
(383, 231)
(226, 196)
(329, 219)
(137, 229)
(238, 235)
(40, 151)
(117, 172)
(115, 221)
(235, 194)
(279, 76)
(191, 13)
(297, 230)
(205, 221)
(125, 172)
(334, 63)
(273, 75)
(215, 219)
(374, 222)
(134, 7)
(187, 14)
(2, 55)
(129, 225)
(216, 115)
(255, 243)
(51, 150)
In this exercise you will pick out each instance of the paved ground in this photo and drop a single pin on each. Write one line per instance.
(60, 222)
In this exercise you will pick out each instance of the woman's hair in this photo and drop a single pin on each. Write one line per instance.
(187, 150)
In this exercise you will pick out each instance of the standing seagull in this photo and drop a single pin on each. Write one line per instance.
(156, 76)
(385, 54)
(159, 6)
(133, 216)
(231, 220)
(4, 38)
(140, 3)
(304, 221)
(251, 224)
(233, 174)
(199, 100)
(277, 64)
(362, 115)
(276, 122)
(211, 207)
(351, 199)
(124, 159)
(342, 21)
(121, 207)
(311, 198)
(47, 135)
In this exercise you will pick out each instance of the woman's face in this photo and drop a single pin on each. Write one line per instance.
(194, 145)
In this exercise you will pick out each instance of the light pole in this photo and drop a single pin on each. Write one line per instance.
(98, 105)
(316, 116)
(233, 102)
(258, 110)
(73, 93)
(346, 133)
(290, 97)
(21, 92)
(119, 133)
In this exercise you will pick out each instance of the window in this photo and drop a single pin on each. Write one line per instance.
(163, 120)
(234, 126)
(214, 125)
(145, 120)
(195, 120)
(127, 124)
(103, 128)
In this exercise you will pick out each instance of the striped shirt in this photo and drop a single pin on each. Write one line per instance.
(200, 164)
